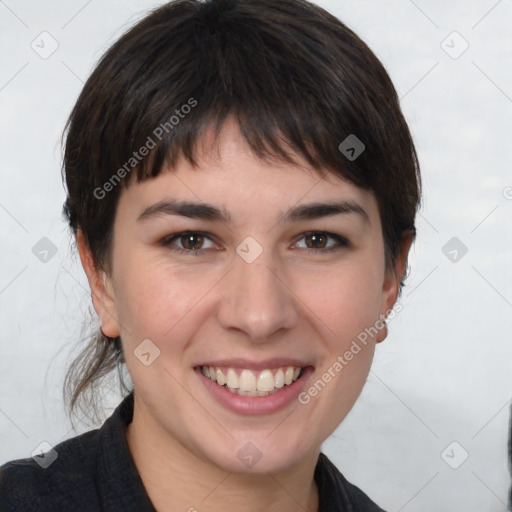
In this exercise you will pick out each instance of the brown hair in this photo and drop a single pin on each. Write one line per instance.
(295, 78)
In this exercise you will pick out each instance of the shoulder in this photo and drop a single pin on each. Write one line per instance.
(337, 493)
(64, 480)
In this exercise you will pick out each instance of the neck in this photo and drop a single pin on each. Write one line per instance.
(177, 479)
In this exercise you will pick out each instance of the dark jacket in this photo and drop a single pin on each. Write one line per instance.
(95, 472)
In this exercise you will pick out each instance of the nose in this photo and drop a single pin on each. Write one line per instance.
(257, 301)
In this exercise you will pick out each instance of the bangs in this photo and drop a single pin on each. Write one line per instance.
(296, 80)
(175, 82)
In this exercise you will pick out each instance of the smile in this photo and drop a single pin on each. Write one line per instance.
(245, 382)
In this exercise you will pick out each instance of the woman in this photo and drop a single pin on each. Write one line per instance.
(242, 186)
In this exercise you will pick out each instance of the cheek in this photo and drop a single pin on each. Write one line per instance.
(350, 311)
(346, 377)
(154, 298)
(346, 301)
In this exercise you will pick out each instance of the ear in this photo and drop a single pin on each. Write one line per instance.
(391, 285)
(101, 289)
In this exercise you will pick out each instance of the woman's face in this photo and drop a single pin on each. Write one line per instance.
(262, 282)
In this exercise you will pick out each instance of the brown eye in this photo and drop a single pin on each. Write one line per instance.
(322, 242)
(316, 240)
(192, 241)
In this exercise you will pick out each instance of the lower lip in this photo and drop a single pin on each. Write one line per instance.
(255, 405)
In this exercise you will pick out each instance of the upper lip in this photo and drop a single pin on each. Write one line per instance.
(276, 362)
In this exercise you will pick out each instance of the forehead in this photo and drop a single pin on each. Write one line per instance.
(229, 175)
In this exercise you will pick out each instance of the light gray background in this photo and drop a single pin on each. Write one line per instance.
(443, 374)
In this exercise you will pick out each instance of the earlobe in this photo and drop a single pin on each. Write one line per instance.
(102, 298)
(393, 278)
(383, 331)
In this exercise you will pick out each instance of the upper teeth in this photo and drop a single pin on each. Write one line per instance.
(248, 380)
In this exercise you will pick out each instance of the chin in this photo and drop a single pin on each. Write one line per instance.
(260, 453)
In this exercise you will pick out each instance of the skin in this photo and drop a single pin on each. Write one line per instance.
(289, 302)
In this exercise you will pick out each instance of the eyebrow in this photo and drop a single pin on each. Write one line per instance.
(210, 212)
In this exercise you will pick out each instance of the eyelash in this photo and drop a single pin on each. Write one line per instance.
(342, 242)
